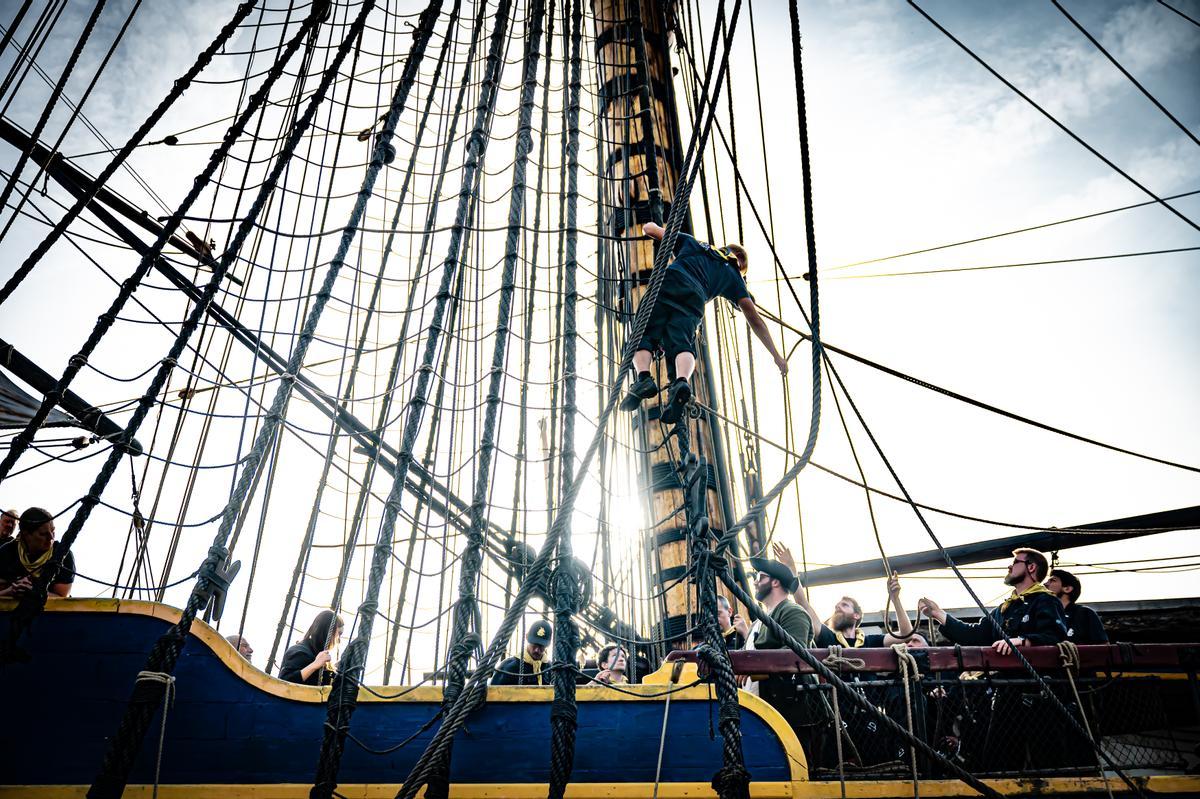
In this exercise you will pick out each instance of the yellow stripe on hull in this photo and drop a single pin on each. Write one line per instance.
(857, 789)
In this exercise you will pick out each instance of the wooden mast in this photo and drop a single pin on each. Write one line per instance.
(641, 151)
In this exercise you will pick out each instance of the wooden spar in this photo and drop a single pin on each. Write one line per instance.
(998, 548)
(641, 153)
(88, 416)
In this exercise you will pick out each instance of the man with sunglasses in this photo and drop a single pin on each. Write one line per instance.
(1032, 614)
(1022, 731)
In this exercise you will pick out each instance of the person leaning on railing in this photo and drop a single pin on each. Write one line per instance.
(1031, 615)
(1023, 731)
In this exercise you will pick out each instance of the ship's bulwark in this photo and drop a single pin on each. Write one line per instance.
(230, 724)
(235, 732)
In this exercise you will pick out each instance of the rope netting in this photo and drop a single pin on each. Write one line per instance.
(376, 347)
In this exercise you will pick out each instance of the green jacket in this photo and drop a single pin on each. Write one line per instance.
(792, 618)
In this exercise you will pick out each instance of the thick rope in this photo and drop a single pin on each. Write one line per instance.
(180, 85)
(732, 780)
(910, 672)
(33, 602)
(837, 736)
(125, 744)
(563, 712)
(835, 660)
(168, 683)
(1068, 655)
(466, 611)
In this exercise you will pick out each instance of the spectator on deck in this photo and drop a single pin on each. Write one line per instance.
(843, 627)
(30, 553)
(308, 661)
(733, 626)
(242, 646)
(8, 525)
(612, 663)
(1030, 616)
(529, 668)
(1083, 623)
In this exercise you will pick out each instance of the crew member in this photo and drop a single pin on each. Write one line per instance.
(8, 525)
(612, 662)
(1083, 623)
(842, 628)
(310, 659)
(1031, 615)
(30, 554)
(804, 709)
(699, 273)
(242, 646)
(529, 668)
(733, 626)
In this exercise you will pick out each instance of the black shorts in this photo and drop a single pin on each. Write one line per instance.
(673, 322)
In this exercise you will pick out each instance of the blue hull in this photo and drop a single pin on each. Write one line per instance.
(234, 725)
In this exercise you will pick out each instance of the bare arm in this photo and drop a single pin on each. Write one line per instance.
(654, 231)
(760, 330)
(901, 617)
(61, 589)
(784, 556)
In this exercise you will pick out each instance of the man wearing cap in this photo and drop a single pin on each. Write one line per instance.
(1083, 623)
(527, 669)
(805, 711)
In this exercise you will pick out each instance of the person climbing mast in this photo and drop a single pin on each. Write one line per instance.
(699, 273)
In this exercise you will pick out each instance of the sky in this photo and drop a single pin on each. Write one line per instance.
(913, 145)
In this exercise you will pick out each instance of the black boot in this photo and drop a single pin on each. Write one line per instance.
(677, 400)
(643, 388)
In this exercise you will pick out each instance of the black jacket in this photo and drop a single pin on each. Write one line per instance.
(1084, 625)
(296, 658)
(1038, 618)
(515, 671)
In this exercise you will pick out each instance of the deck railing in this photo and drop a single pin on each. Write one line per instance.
(971, 704)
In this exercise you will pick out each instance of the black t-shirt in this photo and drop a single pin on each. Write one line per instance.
(827, 638)
(715, 275)
(11, 569)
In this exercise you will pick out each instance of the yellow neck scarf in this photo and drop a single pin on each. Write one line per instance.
(31, 564)
(536, 665)
(1036, 588)
(859, 638)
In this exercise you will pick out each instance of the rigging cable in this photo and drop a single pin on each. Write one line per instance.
(177, 89)
(1125, 72)
(1050, 117)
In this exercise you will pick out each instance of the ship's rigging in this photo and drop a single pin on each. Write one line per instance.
(337, 401)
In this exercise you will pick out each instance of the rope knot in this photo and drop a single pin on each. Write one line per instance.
(909, 668)
(835, 660)
(1068, 655)
(731, 781)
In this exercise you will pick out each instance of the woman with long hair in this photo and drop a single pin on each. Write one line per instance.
(307, 661)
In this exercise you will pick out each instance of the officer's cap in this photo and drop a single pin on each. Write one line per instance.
(540, 633)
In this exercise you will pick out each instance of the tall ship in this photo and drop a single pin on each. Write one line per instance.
(612, 398)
